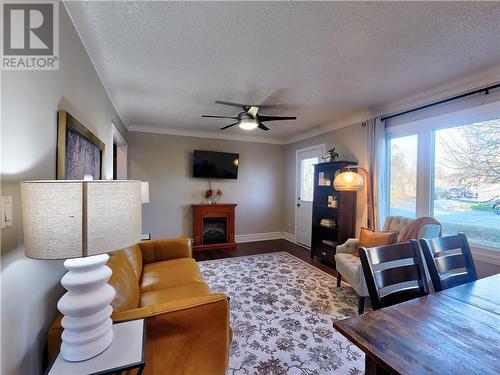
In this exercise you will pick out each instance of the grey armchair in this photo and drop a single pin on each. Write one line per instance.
(349, 266)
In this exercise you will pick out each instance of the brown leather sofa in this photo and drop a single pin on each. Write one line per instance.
(187, 326)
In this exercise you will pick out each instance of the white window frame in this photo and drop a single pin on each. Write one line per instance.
(389, 136)
(425, 131)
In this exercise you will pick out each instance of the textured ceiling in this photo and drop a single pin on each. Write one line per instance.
(165, 63)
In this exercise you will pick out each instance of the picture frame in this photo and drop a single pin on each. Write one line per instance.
(79, 151)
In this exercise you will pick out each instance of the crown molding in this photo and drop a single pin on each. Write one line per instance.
(347, 121)
(342, 123)
(204, 134)
(471, 82)
(474, 81)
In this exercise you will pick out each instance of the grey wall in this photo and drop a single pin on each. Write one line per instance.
(30, 100)
(264, 190)
(350, 143)
(165, 161)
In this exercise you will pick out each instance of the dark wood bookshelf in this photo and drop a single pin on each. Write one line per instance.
(344, 214)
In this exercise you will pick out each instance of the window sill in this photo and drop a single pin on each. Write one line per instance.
(484, 254)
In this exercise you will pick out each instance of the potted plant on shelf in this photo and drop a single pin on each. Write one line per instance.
(332, 155)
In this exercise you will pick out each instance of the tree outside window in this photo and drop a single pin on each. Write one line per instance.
(467, 181)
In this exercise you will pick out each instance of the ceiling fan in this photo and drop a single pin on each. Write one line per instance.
(249, 119)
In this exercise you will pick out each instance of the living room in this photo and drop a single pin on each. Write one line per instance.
(400, 98)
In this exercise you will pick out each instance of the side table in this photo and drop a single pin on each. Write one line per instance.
(126, 352)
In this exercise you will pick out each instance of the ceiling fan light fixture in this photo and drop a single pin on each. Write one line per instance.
(248, 124)
(249, 119)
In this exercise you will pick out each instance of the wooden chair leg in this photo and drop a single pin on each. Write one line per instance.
(361, 305)
(339, 278)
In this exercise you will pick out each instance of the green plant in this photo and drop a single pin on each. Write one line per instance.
(333, 154)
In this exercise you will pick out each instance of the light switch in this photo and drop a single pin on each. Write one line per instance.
(6, 211)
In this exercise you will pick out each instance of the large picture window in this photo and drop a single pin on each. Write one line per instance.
(467, 181)
(451, 172)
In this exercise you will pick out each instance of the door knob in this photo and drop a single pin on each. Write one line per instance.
(298, 204)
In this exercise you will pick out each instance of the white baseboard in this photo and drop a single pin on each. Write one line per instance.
(241, 238)
(289, 237)
(254, 237)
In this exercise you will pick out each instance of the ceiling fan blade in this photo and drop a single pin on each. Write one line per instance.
(277, 105)
(253, 111)
(228, 126)
(263, 127)
(276, 118)
(239, 105)
(234, 118)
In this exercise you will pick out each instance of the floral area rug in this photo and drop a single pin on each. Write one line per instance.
(281, 313)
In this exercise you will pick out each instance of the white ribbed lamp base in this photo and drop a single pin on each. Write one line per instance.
(86, 308)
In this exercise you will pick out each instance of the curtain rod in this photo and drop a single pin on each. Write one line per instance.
(486, 90)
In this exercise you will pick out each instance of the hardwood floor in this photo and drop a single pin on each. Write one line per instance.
(263, 247)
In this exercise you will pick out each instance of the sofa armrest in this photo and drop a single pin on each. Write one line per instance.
(193, 338)
(349, 247)
(190, 336)
(165, 249)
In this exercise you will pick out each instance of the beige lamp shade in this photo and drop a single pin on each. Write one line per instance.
(70, 219)
(349, 181)
(145, 191)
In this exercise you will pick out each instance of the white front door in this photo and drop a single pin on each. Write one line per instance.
(306, 158)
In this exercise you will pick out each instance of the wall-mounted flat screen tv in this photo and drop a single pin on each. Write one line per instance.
(210, 164)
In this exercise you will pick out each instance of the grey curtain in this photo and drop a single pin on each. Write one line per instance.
(377, 172)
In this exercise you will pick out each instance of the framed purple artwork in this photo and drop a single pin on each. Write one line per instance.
(79, 151)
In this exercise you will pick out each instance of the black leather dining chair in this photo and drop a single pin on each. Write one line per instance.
(393, 273)
(449, 261)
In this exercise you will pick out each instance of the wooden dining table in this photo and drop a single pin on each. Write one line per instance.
(456, 331)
